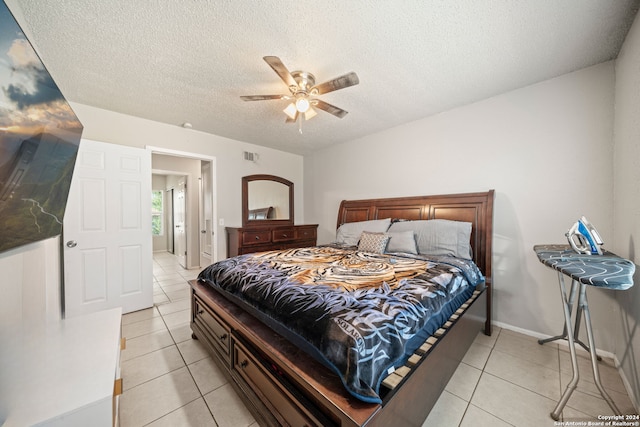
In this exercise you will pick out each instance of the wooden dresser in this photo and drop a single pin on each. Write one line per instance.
(244, 240)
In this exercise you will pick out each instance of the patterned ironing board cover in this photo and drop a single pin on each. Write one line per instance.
(605, 271)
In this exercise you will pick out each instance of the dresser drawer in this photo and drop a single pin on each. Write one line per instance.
(283, 234)
(218, 333)
(274, 395)
(306, 233)
(256, 237)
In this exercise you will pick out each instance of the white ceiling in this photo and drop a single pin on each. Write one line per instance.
(190, 60)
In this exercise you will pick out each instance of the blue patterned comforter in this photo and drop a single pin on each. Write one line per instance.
(359, 313)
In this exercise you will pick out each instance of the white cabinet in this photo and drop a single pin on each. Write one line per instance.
(62, 373)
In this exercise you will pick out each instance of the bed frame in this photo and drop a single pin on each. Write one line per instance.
(281, 385)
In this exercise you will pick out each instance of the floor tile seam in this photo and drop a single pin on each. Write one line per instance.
(590, 380)
(598, 395)
(587, 417)
(171, 412)
(517, 385)
(202, 395)
(530, 361)
(174, 312)
(484, 365)
(468, 402)
(163, 293)
(482, 372)
(483, 410)
(130, 390)
(151, 351)
(154, 378)
(227, 380)
(141, 320)
(127, 337)
(170, 285)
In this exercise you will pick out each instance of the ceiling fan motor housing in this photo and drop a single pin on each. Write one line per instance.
(305, 81)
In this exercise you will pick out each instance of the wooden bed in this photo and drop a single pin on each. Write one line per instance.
(281, 385)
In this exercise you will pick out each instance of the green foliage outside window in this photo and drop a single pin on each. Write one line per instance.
(157, 223)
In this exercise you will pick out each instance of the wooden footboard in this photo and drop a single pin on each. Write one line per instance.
(281, 385)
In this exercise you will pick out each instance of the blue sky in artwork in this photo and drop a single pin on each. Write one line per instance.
(28, 95)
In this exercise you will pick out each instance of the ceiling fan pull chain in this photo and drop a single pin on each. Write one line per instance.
(300, 123)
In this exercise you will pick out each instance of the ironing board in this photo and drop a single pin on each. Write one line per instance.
(604, 271)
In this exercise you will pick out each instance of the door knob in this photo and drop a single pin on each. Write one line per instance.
(72, 244)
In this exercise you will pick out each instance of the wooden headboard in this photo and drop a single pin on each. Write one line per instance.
(476, 208)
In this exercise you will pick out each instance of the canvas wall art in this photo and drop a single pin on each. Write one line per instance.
(39, 140)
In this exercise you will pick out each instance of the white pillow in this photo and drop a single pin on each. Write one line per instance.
(402, 241)
(439, 236)
(349, 233)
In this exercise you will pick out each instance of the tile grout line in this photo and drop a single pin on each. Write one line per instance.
(493, 346)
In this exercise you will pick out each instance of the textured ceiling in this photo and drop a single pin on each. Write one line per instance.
(190, 60)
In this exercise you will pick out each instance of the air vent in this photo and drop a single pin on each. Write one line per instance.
(252, 157)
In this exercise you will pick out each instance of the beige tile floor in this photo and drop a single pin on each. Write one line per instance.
(504, 380)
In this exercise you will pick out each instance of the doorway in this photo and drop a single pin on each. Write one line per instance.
(190, 205)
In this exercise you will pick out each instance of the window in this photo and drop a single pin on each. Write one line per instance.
(157, 217)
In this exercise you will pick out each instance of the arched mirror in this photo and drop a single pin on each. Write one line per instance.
(266, 200)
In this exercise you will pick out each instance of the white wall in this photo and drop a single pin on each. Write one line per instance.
(30, 286)
(546, 149)
(116, 128)
(626, 197)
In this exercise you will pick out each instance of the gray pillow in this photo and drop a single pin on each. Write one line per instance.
(402, 241)
(349, 233)
(439, 236)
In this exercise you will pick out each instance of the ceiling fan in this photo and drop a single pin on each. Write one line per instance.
(304, 91)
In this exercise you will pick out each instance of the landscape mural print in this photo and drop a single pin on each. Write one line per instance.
(39, 139)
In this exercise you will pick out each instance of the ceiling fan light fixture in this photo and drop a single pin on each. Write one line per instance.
(291, 111)
(310, 113)
(303, 92)
(302, 104)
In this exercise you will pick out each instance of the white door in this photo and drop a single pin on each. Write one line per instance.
(206, 215)
(169, 219)
(179, 223)
(107, 230)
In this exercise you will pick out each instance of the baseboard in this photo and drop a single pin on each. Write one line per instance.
(601, 353)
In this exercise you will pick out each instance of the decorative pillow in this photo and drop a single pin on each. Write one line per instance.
(439, 236)
(373, 242)
(402, 241)
(349, 233)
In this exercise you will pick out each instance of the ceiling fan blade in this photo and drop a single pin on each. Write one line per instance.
(349, 79)
(277, 65)
(331, 109)
(260, 97)
(292, 120)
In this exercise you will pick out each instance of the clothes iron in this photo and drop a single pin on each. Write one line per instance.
(584, 238)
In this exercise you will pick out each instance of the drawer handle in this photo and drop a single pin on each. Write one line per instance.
(223, 337)
(244, 364)
(200, 311)
(284, 235)
(257, 237)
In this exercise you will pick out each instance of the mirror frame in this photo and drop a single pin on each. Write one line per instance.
(246, 222)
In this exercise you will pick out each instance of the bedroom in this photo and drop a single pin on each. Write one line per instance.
(522, 143)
